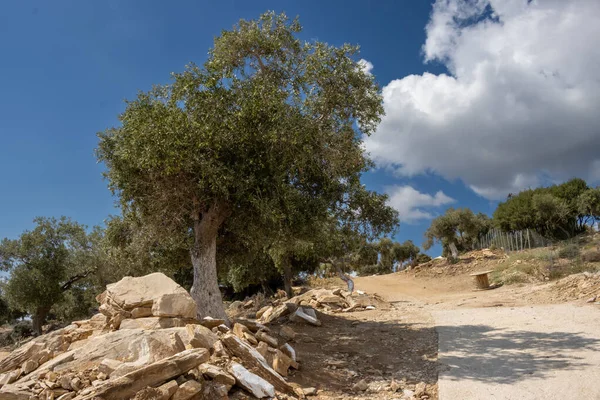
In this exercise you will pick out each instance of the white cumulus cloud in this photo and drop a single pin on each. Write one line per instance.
(365, 65)
(413, 205)
(518, 107)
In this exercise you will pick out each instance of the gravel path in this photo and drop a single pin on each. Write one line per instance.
(537, 352)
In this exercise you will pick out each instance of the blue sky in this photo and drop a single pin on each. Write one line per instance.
(67, 66)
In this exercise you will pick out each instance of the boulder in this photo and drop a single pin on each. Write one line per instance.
(262, 311)
(108, 366)
(217, 374)
(250, 338)
(168, 389)
(239, 330)
(282, 363)
(131, 292)
(268, 339)
(254, 384)
(188, 390)
(278, 312)
(149, 376)
(287, 333)
(150, 323)
(251, 358)
(200, 336)
(305, 315)
(141, 312)
(22, 354)
(252, 325)
(212, 322)
(179, 304)
(289, 351)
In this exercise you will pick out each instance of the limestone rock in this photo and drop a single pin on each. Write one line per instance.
(252, 325)
(151, 323)
(200, 336)
(168, 389)
(217, 374)
(360, 386)
(331, 299)
(287, 333)
(130, 292)
(211, 322)
(141, 312)
(188, 390)
(265, 337)
(250, 338)
(239, 330)
(151, 375)
(307, 315)
(29, 366)
(262, 311)
(289, 351)
(254, 384)
(107, 366)
(275, 314)
(282, 363)
(310, 391)
(19, 356)
(420, 389)
(9, 377)
(178, 304)
(254, 360)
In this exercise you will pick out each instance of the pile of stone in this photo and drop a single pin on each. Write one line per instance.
(302, 308)
(146, 344)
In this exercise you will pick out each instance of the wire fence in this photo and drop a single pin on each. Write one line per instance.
(512, 241)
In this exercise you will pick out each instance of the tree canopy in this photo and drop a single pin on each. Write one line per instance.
(267, 131)
(45, 263)
(558, 211)
(459, 226)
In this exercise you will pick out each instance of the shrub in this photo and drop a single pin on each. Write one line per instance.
(570, 251)
(592, 256)
(21, 331)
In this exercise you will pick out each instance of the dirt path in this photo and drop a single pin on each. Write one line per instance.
(495, 344)
(537, 352)
(389, 350)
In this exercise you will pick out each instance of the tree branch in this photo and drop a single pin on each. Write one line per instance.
(67, 285)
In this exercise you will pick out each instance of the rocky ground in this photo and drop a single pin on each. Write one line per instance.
(379, 342)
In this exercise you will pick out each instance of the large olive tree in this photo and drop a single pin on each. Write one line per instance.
(267, 123)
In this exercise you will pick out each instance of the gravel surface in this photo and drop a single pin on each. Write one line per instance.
(535, 352)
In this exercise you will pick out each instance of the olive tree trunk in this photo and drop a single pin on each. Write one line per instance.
(38, 319)
(286, 264)
(205, 290)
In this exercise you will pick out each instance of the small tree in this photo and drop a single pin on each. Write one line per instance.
(45, 263)
(267, 123)
(460, 227)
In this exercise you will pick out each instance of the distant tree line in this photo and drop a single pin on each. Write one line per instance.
(556, 212)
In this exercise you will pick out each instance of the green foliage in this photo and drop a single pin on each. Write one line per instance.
(265, 138)
(132, 249)
(421, 259)
(385, 256)
(588, 203)
(8, 314)
(459, 226)
(559, 211)
(45, 263)
(569, 251)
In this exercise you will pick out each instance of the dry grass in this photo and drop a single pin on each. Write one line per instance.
(544, 264)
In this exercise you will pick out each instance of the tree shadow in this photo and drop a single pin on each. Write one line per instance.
(485, 353)
(350, 347)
